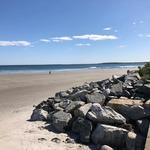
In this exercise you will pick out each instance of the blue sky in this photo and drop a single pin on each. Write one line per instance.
(74, 31)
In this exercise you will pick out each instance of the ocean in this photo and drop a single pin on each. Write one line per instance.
(12, 69)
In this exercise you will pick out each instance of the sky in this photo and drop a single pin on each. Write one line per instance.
(74, 31)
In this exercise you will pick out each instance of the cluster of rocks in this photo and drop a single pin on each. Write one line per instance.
(111, 114)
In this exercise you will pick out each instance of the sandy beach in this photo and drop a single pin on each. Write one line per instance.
(19, 92)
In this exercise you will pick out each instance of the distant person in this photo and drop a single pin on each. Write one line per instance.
(50, 72)
(128, 71)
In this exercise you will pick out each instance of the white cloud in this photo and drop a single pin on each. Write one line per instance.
(96, 37)
(45, 40)
(116, 30)
(148, 35)
(141, 21)
(61, 39)
(122, 46)
(134, 23)
(83, 44)
(107, 29)
(140, 35)
(15, 43)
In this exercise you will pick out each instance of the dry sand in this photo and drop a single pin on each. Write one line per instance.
(19, 92)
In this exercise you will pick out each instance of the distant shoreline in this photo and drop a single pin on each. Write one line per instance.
(62, 71)
(25, 69)
(128, 62)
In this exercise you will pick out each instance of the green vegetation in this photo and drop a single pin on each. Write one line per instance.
(145, 71)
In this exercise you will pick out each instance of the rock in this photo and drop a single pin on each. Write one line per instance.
(57, 100)
(114, 103)
(46, 105)
(94, 85)
(139, 83)
(105, 115)
(140, 142)
(147, 105)
(116, 89)
(143, 126)
(145, 89)
(136, 112)
(104, 84)
(82, 111)
(126, 93)
(131, 141)
(62, 94)
(70, 91)
(109, 135)
(83, 127)
(128, 85)
(39, 115)
(57, 107)
(79, 95)
(73, 105)
(95, 98)
(107, 92)
(131, 109)
(121, 78)
(60, 120)
(133, 77)
(106, 147)
(49, 117)
(86, 86)
(64, 103)
(95, 90)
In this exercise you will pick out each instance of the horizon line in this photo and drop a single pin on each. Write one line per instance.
(116, 62)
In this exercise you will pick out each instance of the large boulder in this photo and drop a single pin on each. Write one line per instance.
(73, 105)
(109, 135)
(145, 89)
(94, 85)
(83, 127)
(46, 105)
(130, 109)
(95, 98)
(57, 107)
(136, 112)
(64, 103)
(104, 84)
(114, 103)
(39, 115)
(62, 94)
(82, 111)
(79, 95)
(116, 89)
(60, 120)
(105, 115)
(133, 76)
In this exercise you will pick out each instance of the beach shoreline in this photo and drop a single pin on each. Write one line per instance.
(19, 92)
